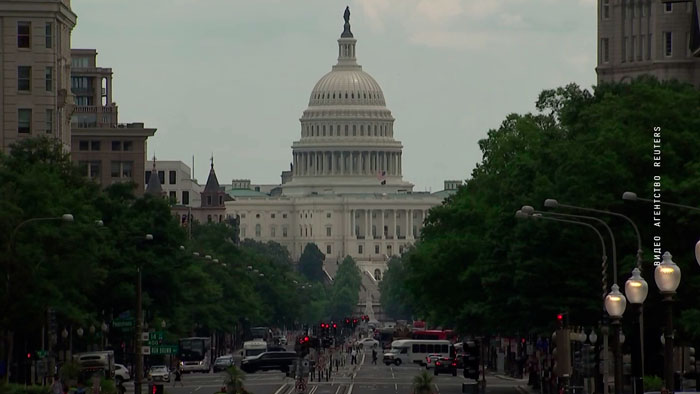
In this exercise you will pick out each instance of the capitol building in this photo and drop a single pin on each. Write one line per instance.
(344, 190)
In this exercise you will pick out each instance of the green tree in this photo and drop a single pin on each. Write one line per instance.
(395, 297)
(234, 380)
(311, 263)
(344, 293)
(582, 148)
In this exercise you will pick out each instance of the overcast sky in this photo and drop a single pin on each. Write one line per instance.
(232, 77)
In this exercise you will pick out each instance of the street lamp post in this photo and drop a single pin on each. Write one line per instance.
(667, 276)
(615, 304)
(636, 290)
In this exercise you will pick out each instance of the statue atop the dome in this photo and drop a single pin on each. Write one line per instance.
(346, 27)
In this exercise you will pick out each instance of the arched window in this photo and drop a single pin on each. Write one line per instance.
(346, 130)
(257, 230)
(333, 95)
(352, 95)
(377, 274)
(354, 130)
(346, 94)
(324, 130)
(362, 130)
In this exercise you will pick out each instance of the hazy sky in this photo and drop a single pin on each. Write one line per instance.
(232, 77)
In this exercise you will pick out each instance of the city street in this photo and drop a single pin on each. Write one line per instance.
(363, 378)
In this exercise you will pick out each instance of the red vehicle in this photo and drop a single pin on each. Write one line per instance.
(434, 335)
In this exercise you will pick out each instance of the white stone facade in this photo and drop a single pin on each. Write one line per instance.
(176, 181)
(345, 191)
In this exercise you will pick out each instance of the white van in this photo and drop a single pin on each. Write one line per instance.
(416, 350)
(254, 347)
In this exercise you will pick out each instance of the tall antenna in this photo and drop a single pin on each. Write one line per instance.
(192, 177)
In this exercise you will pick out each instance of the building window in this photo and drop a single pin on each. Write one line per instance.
(359, 249)
(148, 177)
(374, 231)
(624, 50)
(376, 249)
(328, 215)
(328, 231)
(388, 250)
(284, 232)
(95, 170)
(116, 145)
(633, 47)
(640, 49)
(301, 231)
(49, 35)
(284, 216)
(85, 145)
(127, 145)
(161, 177)
(24, 77)
(668, 8)
(604, 50)
(272, 215)
(243, 228)
(649, 41)
(257, 216)
(273, 231)
(24, 120)
(668, 43)
(95, 145)
(122, 169)
(208, 218)
(49, 79)
(49, 121)
(173, 197)
(606, 9)
(185, 197)
(257, 230)
(23, 34)
(172, 177)
(328, 249)
(208, 200)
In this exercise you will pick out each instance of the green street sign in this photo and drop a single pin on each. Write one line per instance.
(155, 342)
(155, 336)
(41, 353)
(123, 323)
(164, 349)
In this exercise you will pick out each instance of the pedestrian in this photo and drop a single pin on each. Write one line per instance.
(178, 376)
(57, 386)
(374, 356)
(353, 356)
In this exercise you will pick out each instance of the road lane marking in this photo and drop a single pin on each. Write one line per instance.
(336, 391)
(437, 388)
(280, 389)
(352, 385)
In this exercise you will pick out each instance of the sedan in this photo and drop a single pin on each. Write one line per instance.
(159, 373)
(223, 362)
(445, 364)
(367, 343)
(430, 360)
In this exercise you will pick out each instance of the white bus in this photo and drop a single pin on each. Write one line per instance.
(195, 354)
(416, 350)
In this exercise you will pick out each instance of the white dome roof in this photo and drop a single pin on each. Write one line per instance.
(344, 86)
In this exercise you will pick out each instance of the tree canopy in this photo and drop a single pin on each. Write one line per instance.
(582, 148)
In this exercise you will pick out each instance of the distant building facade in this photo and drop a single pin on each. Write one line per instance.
(176, 181)
(638, 37)
(106, 150)
(35, 70)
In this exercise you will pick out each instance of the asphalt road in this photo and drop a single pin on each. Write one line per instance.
(362, 378)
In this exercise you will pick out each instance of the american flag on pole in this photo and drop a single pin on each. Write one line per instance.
(381, 176)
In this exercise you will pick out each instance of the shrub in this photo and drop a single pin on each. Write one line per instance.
(652, 383)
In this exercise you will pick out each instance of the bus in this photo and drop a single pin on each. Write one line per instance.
(195, 354)
(434, 335)
(259, 333)
(416, 350)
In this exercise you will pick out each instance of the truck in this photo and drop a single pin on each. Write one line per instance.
(91, 363)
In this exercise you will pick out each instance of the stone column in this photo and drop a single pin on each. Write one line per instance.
(381, 224)
(352, 223)
(400, 169)
(370, 235)
(393, 224)
(410, 224)
(342, 163)
(366, 224)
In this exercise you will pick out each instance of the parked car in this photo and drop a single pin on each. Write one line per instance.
(121, 373)
(223, 362)
(159, 373)
(430, 360)
(369, 343)
(279, 361)
(445, 364)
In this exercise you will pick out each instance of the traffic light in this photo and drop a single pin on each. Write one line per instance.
(689, 359)
(560, 320)
(472, 357)
(29, 355)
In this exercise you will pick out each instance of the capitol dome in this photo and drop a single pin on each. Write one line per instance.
(347, 86)
(347, 140)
